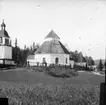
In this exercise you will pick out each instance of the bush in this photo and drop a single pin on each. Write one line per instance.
(55, 71)
(50, 95)
(58, 71)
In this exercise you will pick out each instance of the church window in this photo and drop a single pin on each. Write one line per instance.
(0, 40)
(44, 61)
(7, 41)
(56, 60)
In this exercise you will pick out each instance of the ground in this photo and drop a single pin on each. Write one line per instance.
(30, 88)
(31, 78)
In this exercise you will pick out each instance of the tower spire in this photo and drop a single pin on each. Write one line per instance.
(16, 42)
(3, 25)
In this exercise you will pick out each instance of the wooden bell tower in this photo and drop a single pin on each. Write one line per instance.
(5, 46)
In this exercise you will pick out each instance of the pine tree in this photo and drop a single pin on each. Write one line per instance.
(100, 65)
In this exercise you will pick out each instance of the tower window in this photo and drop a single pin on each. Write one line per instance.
(0, 40)
(7, 41)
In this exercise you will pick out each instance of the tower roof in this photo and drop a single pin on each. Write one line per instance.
(52, 34)
(52, 46)
(3, 24)
(3, 32)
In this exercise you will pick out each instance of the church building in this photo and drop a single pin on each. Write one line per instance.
(52, 51)
(5, 46)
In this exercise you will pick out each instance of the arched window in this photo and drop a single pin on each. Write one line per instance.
(44, 61)
(56, 60)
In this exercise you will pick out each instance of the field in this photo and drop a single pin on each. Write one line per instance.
(22, 86)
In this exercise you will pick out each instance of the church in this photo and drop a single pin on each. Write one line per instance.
(52, 51)
(5, 47)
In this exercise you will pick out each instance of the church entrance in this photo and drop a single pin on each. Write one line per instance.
(56, 60)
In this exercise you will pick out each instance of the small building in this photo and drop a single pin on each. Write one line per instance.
(52, 51)
(83, 64)
(5, 46)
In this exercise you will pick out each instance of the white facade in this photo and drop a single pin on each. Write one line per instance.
(5, 46)
(62, 59)
(5, 52)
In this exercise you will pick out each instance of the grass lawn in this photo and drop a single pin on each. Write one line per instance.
(32, 78)
(47, 90)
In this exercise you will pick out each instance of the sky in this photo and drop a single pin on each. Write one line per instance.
(80, 24)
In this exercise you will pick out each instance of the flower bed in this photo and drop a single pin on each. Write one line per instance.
(50, 95)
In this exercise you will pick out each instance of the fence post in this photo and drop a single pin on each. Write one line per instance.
(103, 90)
(102, 93)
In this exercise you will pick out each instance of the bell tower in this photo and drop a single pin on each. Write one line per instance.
(5, 46)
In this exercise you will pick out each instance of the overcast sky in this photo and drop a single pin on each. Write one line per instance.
(81, 24)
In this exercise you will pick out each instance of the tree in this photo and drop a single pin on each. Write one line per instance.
(105, 65)
(33, 45)
(86, 67)
(100, 65)
(80, 57)
(75, 56)
(91, 61)
(17, 54)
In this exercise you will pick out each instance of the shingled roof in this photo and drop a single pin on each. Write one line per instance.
(53, 46)
(52, 34)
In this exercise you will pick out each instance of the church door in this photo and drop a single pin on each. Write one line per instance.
(56, 60)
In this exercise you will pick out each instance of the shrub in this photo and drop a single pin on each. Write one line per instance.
(63, 72)
(55, 71)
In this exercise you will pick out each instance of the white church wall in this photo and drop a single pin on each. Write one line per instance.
(8, 52)
(5, 52)
(39, 58)
(1, 52)
(3, 40)
(1, 61)
(61, 57)
(50, 59)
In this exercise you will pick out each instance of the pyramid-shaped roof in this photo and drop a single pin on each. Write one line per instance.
(52, 34)
(53, 46)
